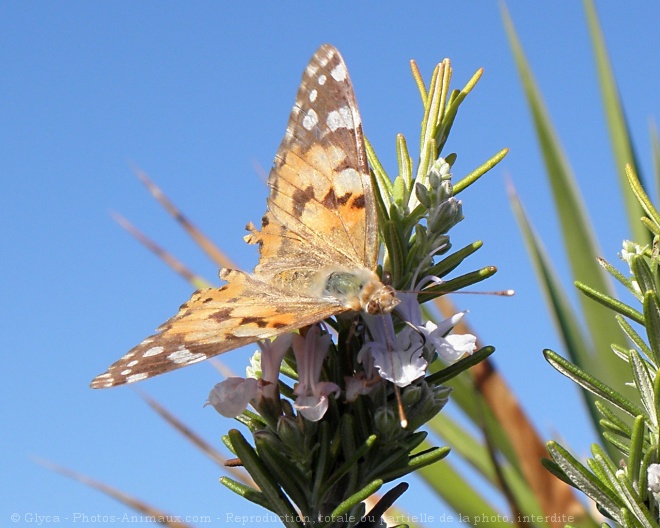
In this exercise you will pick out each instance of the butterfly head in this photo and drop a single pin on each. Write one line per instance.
(378, 298)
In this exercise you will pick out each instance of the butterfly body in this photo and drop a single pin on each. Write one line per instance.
(318, 243)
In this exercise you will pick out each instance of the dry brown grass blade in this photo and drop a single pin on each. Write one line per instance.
(159, 516)
(200, 238)
(170, 260)
(261, 172)
(553, 495)
(195, 439)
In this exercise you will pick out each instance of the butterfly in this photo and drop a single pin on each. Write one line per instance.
(318, 243)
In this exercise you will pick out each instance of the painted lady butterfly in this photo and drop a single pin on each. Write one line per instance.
(318, 241)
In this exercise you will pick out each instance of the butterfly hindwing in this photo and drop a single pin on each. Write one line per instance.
(214, 321)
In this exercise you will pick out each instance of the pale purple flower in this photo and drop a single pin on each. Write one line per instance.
(449, 347)
(232, 396)
(360, 383)
(272, 354)
(398, 357)
(312, 394)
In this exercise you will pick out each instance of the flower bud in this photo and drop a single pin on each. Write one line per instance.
(289, 432)
(411, 395)
(422, 194)
(387, 423)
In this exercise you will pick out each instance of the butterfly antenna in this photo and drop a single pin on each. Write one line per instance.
(500, 293)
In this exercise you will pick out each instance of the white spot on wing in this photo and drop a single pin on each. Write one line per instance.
(311, 70)
(137, 377)
(312, 95)
(125, 372)
(154, 351)
(348, 180)
(248, 331)
(323, 60)
(339, 72)
(322, 79)
(132, 363)
(183, 356)
(310, 120)
(342, 118)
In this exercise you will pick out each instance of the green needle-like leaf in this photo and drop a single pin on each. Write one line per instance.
(373, 518)
(611, 302)
(383, 181)
(643, 274)
(447, 120)
(432, 112)
(277, 501)
(447, 373)
(346, 506)
(451, 262)
(405, 162)
(634, 337)
(636, 446)
(613, 422)
(584, 479)
(620, 277)
(457, 284)
(642, 197)
(590, 383)
(634, 502)
(246, 492)
(652, 317)
(288, 476)
(644, 385)
(477, 173)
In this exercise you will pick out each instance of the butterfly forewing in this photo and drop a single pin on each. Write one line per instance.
(320, 183)
(321, 214)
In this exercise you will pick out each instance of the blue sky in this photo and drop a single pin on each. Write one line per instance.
(197, 95)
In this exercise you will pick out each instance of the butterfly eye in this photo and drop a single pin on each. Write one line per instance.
(387, 278)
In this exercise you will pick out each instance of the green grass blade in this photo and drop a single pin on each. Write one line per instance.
(473, 451)
(655, 149)
(619, 136)
(579, 238)
(461, 496)
(578, 347)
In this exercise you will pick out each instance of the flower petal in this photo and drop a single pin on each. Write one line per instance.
(231, 396)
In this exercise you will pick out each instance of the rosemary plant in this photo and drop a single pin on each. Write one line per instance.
(338, 406)
(626, 490)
